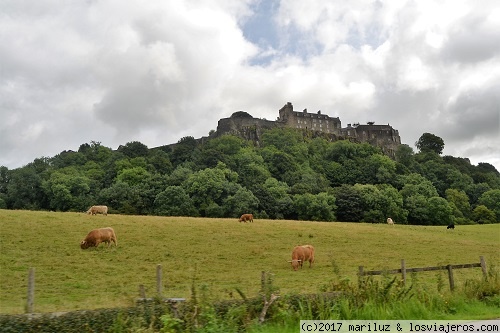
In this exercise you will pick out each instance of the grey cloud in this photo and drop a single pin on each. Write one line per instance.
(474, 113)
(155, 72)
(471, 41)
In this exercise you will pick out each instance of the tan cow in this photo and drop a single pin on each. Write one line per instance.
(98, 236)
(94, 210)
(246, 217)
(390, 221)
(300, 254)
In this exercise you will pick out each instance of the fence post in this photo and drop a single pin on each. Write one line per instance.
(450, 277)
(403, 270)
(360, 275)
(263, 282)
(158, 280)
(483, 267)
(142, 291)
(31, 291)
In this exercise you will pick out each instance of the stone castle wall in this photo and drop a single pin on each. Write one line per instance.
(244, 125)
(316, 124)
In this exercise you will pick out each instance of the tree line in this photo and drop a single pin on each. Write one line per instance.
(287, 175)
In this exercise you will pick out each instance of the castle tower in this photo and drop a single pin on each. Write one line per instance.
(311, 121)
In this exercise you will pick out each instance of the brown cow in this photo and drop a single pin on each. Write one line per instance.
(246, 217)
(301, 254)
(98, 236)
(94, 210)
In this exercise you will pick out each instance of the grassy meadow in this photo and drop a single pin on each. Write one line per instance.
(219, 254)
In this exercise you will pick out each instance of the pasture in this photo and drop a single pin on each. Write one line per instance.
(219, 254)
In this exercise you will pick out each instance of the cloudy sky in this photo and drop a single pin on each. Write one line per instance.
(154, 71)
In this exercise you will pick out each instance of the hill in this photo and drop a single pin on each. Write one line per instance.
(288, 175)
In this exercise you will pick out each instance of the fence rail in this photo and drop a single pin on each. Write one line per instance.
(403, 270)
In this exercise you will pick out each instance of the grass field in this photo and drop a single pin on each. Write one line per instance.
(221, 254)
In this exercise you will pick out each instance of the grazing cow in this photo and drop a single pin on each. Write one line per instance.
(390, 221)
(451, 226)
(300, 254)
(246, 217)
(98, 236)
(94, 210)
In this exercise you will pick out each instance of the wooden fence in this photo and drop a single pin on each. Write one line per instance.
(403, 270)
(142, 292)
(30, 304)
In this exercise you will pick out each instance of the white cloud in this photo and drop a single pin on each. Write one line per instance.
(156, 71)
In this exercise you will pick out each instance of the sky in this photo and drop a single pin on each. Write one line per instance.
(75, 72)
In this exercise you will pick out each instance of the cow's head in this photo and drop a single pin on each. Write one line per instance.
(295, 263)
(84, 244)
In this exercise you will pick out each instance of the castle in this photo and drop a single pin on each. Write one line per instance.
(317, 124)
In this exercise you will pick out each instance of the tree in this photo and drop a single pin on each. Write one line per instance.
(309, 182)
(405, 155)
(96, 152)
(250, 167)
(274, 198)
(349, 204)
(439, 211)
(391, 204)
(160, 161)
(460, 201)
(430, 143)
(183, 150)
(371, 202)
(134, 149)
(286, 140)
(319, 207)
(68, 158)
(483, 215)
(174, 201)
(418, 213)
(133, 176)
(417, 184)
(491, 199)
(243, 201)
(67, 189)
(279, 163)
(24, 190)
(209, 185)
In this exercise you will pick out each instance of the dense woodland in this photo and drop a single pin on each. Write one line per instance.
(287, 175)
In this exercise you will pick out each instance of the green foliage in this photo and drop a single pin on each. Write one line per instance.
(483, 215)
(349, 204)
(174, 201)
(491, 199)
(241, 201)
(133, 176)
(315, 207)
(459, 202)
(224, 176)
(430, 143)
(134, 149)
(439, 211)
(274, 198)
